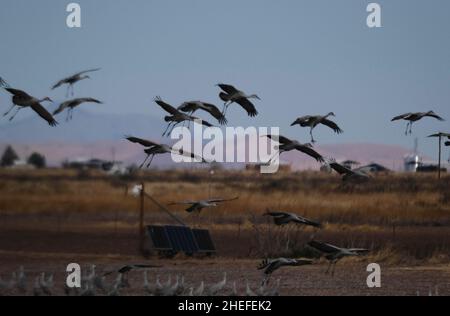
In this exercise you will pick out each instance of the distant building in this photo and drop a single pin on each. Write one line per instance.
(412, 162)
(21, 164)
(110, 167)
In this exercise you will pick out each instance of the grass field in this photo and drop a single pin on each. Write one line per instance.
(403, 218)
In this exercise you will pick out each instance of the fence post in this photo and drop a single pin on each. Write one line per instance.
(141, 218)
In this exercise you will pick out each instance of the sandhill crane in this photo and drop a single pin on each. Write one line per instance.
(312, 121)
(271, 265)
(176, 117)
(23, 100)
(71, 104)
(200, 205)
(199, 291)
(233, 95)
(46, 283)
(153, 148)
(349, 175)
(284, 218)
(22, 280)
(333, 253)
(117, 285)
(128, 268)
(192, 106)
(248, 290)
(71, 80)
(414, 117)
(447, 143)
(288, 145)
(217, 287)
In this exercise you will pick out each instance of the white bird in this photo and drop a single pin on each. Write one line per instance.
(312, 121)
(154, 148)
(200, 205)
(46, 284)
(22, 280)
(414, 117)
(217, 287)
(333, 253)
(22, 100)
(233, 95)
(71, 80)
(72, 104)
(287, 144)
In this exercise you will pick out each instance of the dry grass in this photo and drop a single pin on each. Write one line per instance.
(402, 217)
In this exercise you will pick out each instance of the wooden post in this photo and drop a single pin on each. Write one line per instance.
(141, 218)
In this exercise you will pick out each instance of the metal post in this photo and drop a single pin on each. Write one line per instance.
(440, 143)
(141, 218)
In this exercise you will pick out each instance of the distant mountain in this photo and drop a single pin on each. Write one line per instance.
(91, 135)
(85, 127)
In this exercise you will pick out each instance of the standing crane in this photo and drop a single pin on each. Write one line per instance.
(312, 121)
(21, 99)
(71, 80)
(232, 95)
(414, 117)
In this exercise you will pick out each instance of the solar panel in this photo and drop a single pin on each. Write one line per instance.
(204, 241)
(173, 239)
(182, 239)
(159, 237)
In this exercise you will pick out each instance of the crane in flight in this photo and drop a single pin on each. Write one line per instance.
(284, 218)
(153, 148)
(349, 175)
(71, 80)
(21, 99)
(232, 95)
(333, 253)
(191, 107)
(201, 204)
(312, 121)
(287, 144)
(70, 105)
(271, 265)
(414, 117)
(176, 117)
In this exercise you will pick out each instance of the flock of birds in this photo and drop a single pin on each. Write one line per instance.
(181, 115)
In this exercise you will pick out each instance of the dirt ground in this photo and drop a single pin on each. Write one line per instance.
(47, 254)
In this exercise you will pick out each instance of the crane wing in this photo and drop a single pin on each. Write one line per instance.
(221, 200)
(311, 152)
(228, 88)
(215, 112)
(39, 109)
(323, 247)
(18, 93)
(141, 141)
(248, 106)
(167, 107)
(280, 139)
(61, 108)
(340, 168)
(401, 117)
(435, 116)
(332, 125)
(86, 71)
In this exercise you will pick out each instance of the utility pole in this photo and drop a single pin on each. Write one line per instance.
(439, 136)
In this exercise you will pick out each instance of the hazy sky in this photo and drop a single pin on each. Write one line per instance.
(300, 57)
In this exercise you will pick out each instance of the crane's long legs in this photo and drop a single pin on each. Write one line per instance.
(328, 269)
(173, 128)
(150, 162)
(143, 163)
(14, 115)
(312, 137)
(407, 127)
(10, 109)
(410, 128)
(168, 126)
(333, 269)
